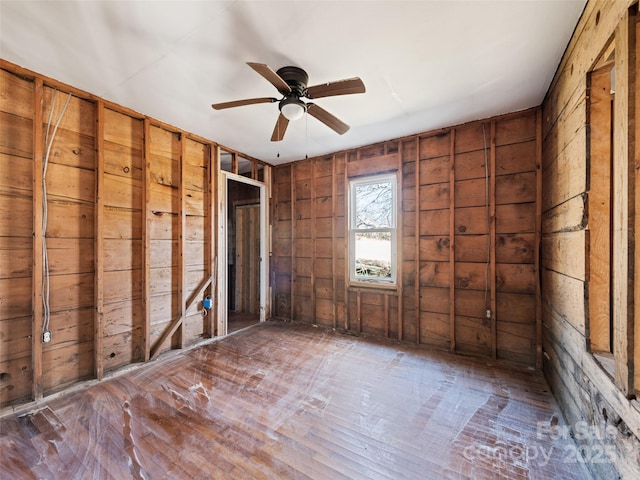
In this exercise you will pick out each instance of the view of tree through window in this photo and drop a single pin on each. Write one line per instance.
(373, 205)
(373, 229)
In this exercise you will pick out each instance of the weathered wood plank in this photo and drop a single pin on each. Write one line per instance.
(67, 365)
(122, 223)
(516, 128)
(16, 213)
(622, 324)
(473, 336)
(566, 217)
(15, 175)
(122, 192)
(16, 257)
(17, 135)
(538, 237)
(434, 145)
(79, 116)
(599, 208)
(15, 341)
(70, 255)
(434, 299)
(471, 137)
(16, 94)
(14, 388)
(566, 253)
(568, 170)
(16, 297)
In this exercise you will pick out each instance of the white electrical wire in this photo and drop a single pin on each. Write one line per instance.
(45, 257)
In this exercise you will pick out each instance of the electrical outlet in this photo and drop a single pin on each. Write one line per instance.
(488, 313)
(46, 337)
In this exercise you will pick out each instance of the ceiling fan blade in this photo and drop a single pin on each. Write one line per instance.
(280, 128)
(240, 103)
(271, 76)
(328, 119)
(341, 87)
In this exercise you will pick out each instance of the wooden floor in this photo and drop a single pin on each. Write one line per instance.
(237, 321)
(281, 400)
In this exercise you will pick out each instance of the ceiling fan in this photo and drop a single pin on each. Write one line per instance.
(291, 82)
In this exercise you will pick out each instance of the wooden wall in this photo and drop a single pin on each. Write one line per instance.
(596, 398)
(130, 236)
(469, 229)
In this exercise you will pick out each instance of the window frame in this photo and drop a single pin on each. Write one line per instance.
(391, 281)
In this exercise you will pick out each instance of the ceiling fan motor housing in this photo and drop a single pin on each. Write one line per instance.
(296, 78)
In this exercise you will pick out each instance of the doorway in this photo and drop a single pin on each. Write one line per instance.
(243, 243)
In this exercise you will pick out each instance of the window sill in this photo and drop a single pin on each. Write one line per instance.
(607, 362)
(372, 286)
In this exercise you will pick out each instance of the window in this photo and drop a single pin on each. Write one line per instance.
(372, 229)
(600, 253)
(611, 240)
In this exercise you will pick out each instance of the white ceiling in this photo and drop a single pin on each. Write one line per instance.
(425, 64)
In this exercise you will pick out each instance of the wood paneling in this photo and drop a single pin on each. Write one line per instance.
(17, 142)
(469, 200)
(129, 234)
(580, 231)
(123, 200)
(71, 160)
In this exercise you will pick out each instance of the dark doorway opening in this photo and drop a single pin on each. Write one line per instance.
(243, 243)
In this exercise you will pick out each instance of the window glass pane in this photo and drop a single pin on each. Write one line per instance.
(373, 255)
(373, 205)
(244, 167)
(225, 160)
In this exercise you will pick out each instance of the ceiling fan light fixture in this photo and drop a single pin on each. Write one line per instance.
(292, 108)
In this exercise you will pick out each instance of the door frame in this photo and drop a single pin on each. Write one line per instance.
(223, 248)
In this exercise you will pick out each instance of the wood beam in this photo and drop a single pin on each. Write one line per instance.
(538, 238)
(622, 324)
(314, 204)
(635, 167)
(98, 333)
(416, 276)
(492, 241)
(399, 241)
(347, 241)
(221, 251)
(334, 270)
(146, 238)
(234, 162)
(452, 241)
(359, 311)
(181, 237)
(37, 274)
(210, 233)
(292, 301)
(178, 321)
(268, 295)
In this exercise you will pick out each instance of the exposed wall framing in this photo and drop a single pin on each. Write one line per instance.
(468, 235)
(577, 225)
(130, 235)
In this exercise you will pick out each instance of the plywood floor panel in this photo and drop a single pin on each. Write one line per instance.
(289, 401)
